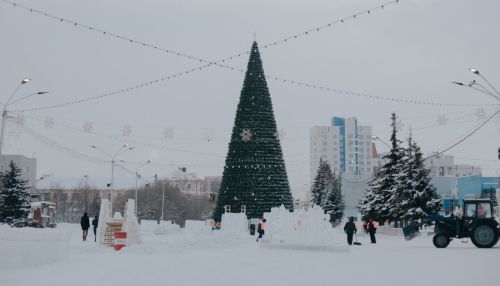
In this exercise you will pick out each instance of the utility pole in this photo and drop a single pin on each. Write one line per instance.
(112, 157)
(5, 112)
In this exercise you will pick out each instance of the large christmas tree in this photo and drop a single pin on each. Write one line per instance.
(14, 196)
(254, 177)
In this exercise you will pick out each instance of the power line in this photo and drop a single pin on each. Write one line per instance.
(55, 145)
(131, 140)
(466, 136)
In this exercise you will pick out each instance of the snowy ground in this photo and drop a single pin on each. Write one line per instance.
(208, 258)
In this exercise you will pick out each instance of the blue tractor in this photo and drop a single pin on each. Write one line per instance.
(477, 223)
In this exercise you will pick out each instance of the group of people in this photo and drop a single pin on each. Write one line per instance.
(369, 226)
(350, 228)
(85, 224)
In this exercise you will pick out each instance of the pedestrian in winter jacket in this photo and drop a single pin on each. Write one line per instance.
(350, 229)
(85, 224)
(372, 229)
(95, 222)
(260, 228)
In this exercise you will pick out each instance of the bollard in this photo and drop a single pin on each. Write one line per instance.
(120, 240)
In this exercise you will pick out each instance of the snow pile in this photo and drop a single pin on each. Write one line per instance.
(165, 227)
(307, 229)
(234, 224)
(196, 227)
(130, 224)
(25, 247)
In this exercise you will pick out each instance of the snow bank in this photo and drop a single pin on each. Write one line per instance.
(196, 227)
(305, 229)
(234, 224)
(28, 247)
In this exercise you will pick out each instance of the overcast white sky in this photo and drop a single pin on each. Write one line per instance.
(411, 51)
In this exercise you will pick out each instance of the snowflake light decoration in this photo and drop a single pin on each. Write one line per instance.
(246, 135)
(88, 127)
(48, 122)
(126, 130)
(168, 133)
(442, 120)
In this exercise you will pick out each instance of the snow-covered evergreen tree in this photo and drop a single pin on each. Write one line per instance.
(14, 197)
(322, 183)
(378, 201)
(333, 201)
(418, 195)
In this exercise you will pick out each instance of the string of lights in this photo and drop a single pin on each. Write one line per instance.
(303, 84)
(218, 62)
(194, 58)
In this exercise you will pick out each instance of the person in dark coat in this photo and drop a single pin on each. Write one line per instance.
(85, 224)
(260, 228)
(350, 229)
(95, 222)
(372, 229)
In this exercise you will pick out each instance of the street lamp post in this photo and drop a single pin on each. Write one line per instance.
(112, 157)
(479, 87)
(163, 183)
(5, 112)
(136, 177)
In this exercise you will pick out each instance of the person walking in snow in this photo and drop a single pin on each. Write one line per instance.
(95, 222)
(350, 229)
(260, 228)
(85, 224)
(372, 229)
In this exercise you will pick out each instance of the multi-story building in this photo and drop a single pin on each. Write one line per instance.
(345, 145)
(192, 186)
(27, 166)
(444, 166)
(211, 184)
(348, 148)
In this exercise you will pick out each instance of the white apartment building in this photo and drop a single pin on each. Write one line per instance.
(444, 166)
(345, 145)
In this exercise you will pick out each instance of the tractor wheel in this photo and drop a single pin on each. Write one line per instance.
(484, 236)
(441, 240)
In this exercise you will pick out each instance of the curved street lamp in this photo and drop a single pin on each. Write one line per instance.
(5, 112)
(112, 158)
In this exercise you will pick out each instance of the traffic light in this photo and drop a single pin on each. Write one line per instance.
(498, 153)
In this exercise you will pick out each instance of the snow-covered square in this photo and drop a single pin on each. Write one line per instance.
(173, 256)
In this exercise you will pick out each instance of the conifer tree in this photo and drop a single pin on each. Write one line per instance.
(333, 202)
(14, 196)
(323, 182)
(418, 195)
(378, 201)
(254, 174)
